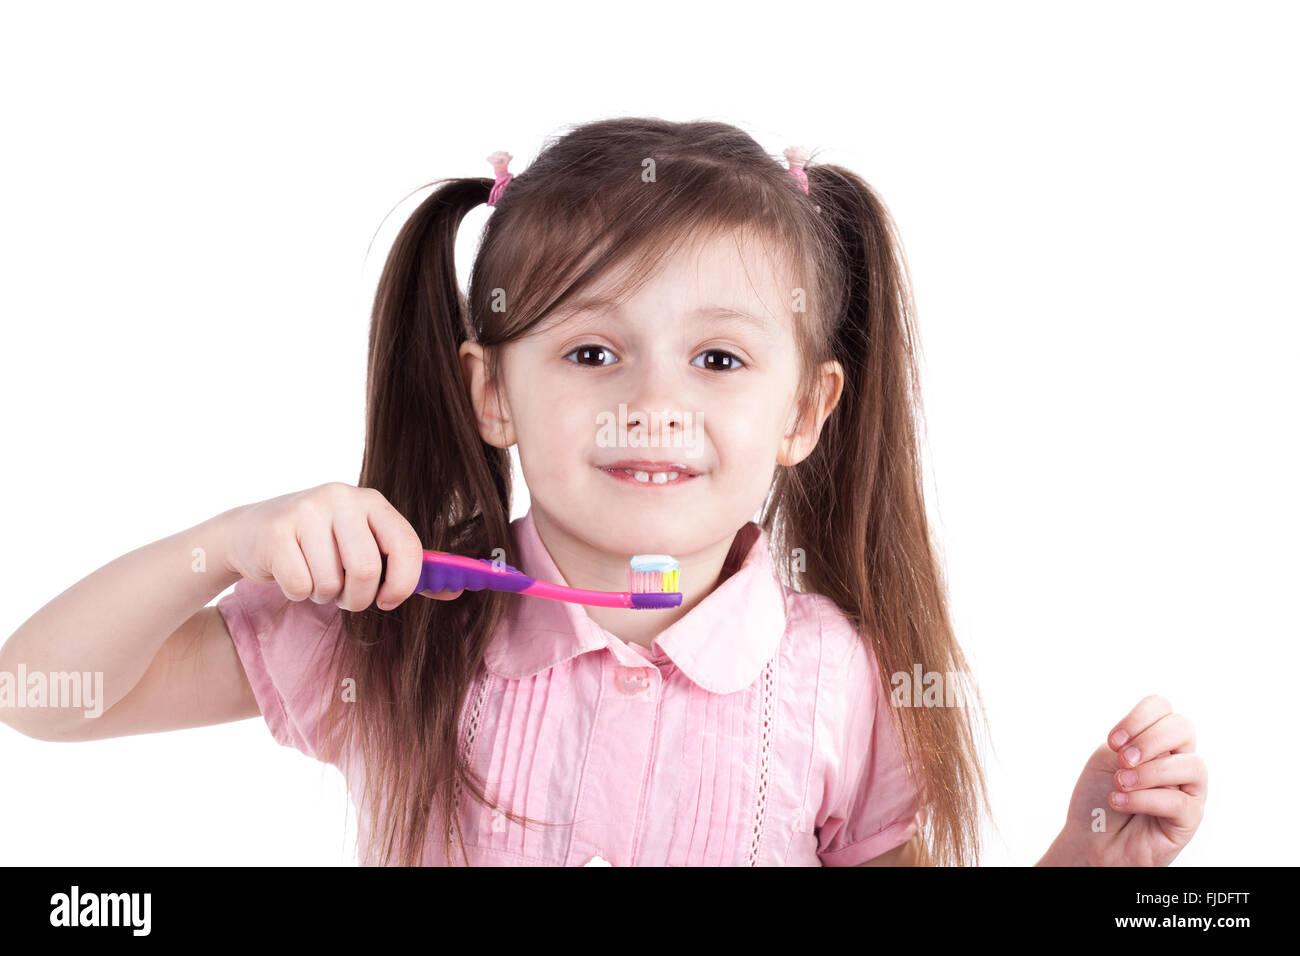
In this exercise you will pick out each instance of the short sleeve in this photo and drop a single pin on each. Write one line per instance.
(872, 805)
(285, 647)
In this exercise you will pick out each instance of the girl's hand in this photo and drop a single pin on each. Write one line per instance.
(328, 543)
(1147, 821)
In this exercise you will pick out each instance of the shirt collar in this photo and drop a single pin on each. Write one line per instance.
(721, 644)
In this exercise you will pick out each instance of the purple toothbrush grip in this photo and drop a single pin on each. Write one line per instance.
(435, 577)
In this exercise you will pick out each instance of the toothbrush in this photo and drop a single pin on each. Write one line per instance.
(652, 581)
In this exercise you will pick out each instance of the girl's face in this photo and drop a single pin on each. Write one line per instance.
(702, 358)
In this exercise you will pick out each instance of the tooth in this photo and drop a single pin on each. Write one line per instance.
(641, 475)
(659, 477)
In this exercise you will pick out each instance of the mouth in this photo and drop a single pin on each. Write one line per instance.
(650, 474)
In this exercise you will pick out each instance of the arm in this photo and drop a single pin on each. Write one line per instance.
(167, 660)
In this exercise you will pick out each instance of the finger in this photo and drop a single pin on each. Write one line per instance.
(1168, 803)
(361, 564)
(317, 543)
(289, 568)
(1185, 771)
(1147, 712)
(400, 546)
(1170, 734)
(443, 595)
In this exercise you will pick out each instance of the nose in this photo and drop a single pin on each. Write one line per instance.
(656, 423)
(638, 417)
(656, 394)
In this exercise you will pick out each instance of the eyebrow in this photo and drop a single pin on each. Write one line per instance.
(595, 303)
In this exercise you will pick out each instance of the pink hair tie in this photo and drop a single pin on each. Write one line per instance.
(500, 160)
(797, 156)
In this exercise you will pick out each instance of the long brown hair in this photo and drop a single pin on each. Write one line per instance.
(615, 195)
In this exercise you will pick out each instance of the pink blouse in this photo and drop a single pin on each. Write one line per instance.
(753, 733)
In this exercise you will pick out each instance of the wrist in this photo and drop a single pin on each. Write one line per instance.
(213, 538)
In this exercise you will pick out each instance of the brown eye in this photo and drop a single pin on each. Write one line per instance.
(591, 355)
(726, 362)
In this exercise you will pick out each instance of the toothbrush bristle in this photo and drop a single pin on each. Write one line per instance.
(653, 574)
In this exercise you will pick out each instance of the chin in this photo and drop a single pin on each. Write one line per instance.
(653, 534)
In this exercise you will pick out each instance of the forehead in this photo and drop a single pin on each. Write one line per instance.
(731, 278)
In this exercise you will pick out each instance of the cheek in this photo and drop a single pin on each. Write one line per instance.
(556, 429)
(749, 430)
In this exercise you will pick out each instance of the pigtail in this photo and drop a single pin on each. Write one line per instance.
(855, 507)
(413, 667)
(418, 408)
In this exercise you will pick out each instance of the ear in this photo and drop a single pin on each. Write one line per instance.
(491, 411)
(798, 444)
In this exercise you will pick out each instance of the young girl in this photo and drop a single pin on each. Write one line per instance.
(679, 334)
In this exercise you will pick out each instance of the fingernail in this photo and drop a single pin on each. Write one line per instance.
(1118, 737)
(1117, 798)
(1131, 754)
(384, 606)
(1128, 777)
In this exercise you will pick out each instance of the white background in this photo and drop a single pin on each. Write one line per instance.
(1099, 208)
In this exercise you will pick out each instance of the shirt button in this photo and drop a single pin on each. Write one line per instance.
(598, 860)
(632, 680)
